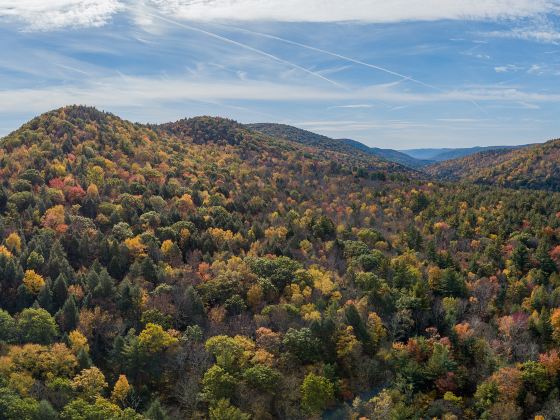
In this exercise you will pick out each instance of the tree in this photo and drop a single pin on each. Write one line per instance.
(217, 383)
(58, 262)
(324, 228)
(54, 217)
(33, 281)
(520, 256)
(14, 407)
(302, 344)
(45, 411)
(154, 339)
(78, 342)
(171, 252)
(191, 307)
(316, 393)
(7, 327)
(90, 383)
(59, 291)
(36, 326)
(44, 298)
(536, 378)
(121, 390)
(69, 315)
(555, 323)
(13, 242)
(156, 411)
(105, 289)
(223, 410)
(80, 409)
(229, 352)
(262, 377)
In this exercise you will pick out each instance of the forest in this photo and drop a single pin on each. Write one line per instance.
(203, 270)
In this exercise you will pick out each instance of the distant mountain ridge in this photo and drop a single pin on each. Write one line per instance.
(448, 153)
(346, 145)
(418, 159)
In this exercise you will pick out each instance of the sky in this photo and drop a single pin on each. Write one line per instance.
(395, 73)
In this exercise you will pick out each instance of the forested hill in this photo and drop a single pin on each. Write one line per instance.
(202, 270)
(532, 167)
(439, 155)
(215, 130)
(346, 145)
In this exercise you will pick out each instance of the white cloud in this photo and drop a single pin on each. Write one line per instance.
(541, 29)
(57, 14)
(41, 15)
(545, 36)
(535, 69)
(507, 68)
(354, 10)
(138, 92)
(354, 106)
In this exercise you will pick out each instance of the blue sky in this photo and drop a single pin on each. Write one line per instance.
(399, 74)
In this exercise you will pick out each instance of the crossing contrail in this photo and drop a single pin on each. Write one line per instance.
(245, 46)
(348, 59)
(336, 55)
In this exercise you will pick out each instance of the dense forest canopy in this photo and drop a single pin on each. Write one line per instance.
(531, 167)
(199, 269)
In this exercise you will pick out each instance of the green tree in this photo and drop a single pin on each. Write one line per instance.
(156, 411)
(36, 326)
(262, 377)
(8, 330)
(45, 411)
(217, 383)
(316, 393)
(223, 410)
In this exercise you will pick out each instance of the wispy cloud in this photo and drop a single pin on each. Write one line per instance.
(507, 68)
(56, 14)
(133, 91)
(353, 10)
(551, 37)
(41, 15)
(541, 29)
(352, 106)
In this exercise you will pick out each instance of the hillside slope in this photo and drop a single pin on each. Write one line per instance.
(439, 155)
(347, 145)
(201, 270)
(531, 167)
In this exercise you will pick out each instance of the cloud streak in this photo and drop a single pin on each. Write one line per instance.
(42, 15)
(371, 11)
(138, 92)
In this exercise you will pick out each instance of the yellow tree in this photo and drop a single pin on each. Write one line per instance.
(90, 383)
(78, 341)
(136, 246)
(154, 338)
(555, 322)
(33, 281)
(121, 390)
(13, 242)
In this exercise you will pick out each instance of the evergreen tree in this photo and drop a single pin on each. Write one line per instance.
(59, 292)
(69, 316)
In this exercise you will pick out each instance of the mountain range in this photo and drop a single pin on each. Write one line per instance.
(439, 155)
(412, 158)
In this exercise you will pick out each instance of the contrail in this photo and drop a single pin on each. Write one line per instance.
(348, 59)
(333, 54)
(245, 46)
